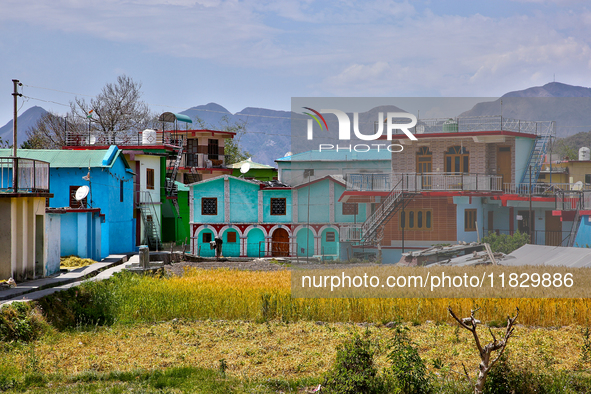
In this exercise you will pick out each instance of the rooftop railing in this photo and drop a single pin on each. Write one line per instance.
(423, 182)
(32, 175)
(123, 138)
(480, 124)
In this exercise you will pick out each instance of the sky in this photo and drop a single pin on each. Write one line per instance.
(262, 53)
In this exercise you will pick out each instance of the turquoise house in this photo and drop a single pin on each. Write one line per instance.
(254, 219)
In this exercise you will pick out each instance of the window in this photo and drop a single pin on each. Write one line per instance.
(457, 159)
(206, 238)
(150, 178)
(120, 191)
(209, 206)
(330, 236)
(231, 237)
(416, 219)
(470, 220)
(75, 203)
(588, 178)
(213, 149)
(350, 208)
(278, 206)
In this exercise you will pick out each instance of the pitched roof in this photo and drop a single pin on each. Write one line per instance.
(341, 155)
(58, 158)
(253, 165)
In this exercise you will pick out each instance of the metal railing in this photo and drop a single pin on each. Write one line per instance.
(481, 123)
(32, 175)
(542, 188)
(352, 233)
(123, 138)
(418, 182)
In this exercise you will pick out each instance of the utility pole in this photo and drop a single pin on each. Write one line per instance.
(15, 94)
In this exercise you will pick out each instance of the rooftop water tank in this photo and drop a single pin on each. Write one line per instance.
(584, 154)
(149, 137)
(450, 126)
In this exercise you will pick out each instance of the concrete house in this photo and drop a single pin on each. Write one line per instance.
(23, 236)
(259, 219)
(103, 222)
(461, 183)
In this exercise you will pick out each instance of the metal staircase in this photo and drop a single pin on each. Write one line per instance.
(576, 222)
(171, 188)
(150, 221)
(536, 157)
(372, 229)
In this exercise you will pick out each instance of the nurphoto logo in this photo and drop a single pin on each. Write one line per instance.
(345, 129)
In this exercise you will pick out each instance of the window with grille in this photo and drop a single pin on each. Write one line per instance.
(209, 206)
(470, 220)
(330, 236)
(278, 206)
(231, 237)
(350, 208)
(206, 237)
(75, 203)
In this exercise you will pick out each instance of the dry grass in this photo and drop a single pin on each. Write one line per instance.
(276, 349)
(75, 262)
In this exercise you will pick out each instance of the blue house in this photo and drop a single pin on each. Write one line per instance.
(110, 200)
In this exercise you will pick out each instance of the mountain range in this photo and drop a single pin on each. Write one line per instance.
(268, 132)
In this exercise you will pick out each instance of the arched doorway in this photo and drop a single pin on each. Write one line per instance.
(280, 243)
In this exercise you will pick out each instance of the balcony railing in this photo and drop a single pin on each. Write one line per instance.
(32, 175)
(419, 182)
(201, 160)
(543, 189)
(123, 138)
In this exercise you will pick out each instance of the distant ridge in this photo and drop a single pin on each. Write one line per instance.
(26, 120)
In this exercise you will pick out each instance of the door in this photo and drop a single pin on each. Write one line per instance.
(280, 243)
(553, 230)
(425, 166)
(504, 164)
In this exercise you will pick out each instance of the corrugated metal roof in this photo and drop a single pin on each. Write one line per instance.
(550, 255)
(63, 158)
(341, 155)
(253, 165)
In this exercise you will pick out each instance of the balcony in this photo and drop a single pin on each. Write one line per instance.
(425, 182)
(32, 175)
(201, 160)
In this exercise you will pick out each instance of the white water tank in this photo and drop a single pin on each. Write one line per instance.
(149, 137)
(584, 154)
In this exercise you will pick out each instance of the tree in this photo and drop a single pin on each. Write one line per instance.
(50, 131)
(4, 144)
(117, 113)
(485, 352)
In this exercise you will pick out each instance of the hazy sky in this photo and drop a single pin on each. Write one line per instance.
(261, 53)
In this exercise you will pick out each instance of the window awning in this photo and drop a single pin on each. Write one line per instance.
(172, 117)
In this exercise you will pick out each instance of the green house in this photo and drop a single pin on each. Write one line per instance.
(261, 172)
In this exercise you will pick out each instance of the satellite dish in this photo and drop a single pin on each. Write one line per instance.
(81, 193)
(577, 186)
(245, 167)
(288, 154)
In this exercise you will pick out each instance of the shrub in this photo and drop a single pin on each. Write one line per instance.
(506, 243)
(354, 371)
(408, 371)
(21, 321)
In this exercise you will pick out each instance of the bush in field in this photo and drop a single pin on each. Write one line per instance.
(408, 372)
(354, 371)
(21, 321)
(506, 243)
